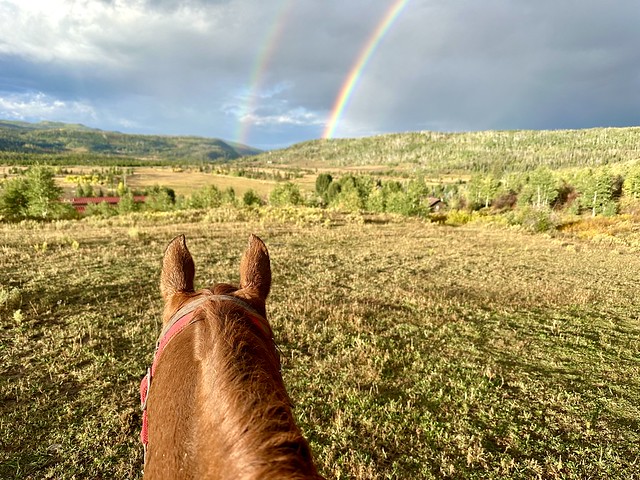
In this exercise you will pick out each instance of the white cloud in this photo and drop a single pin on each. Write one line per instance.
(297, 116)
(38, 106)
(90, 31)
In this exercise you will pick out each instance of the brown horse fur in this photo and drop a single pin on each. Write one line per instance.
(217, 407)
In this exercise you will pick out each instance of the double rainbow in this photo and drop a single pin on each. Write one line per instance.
(268, 49)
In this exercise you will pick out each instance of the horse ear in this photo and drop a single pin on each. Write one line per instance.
(255, 269)
(178, 269)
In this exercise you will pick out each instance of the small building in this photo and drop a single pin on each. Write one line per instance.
(81, 203)
(434, 204)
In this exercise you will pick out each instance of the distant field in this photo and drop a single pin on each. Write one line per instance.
(410, 350)
(185, 181)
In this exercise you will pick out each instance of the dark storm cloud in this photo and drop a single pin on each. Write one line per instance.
(507, 65)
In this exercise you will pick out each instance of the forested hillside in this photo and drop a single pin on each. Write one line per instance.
(22, 143)
(473, 152)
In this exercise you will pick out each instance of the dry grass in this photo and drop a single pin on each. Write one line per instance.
(184, 181)
(411, 350)
(187, 181)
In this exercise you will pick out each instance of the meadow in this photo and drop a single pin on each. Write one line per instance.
(410, 349)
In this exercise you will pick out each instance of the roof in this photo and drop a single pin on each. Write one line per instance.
(81, 203)
(110, 200)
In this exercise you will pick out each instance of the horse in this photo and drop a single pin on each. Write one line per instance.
(214, 402)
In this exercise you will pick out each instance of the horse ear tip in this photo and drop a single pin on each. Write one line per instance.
(179, 240)
(254, 239)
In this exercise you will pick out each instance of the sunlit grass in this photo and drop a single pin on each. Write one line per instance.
(410, 349)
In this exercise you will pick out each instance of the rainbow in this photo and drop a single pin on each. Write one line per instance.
(272, 39)
(361, 62)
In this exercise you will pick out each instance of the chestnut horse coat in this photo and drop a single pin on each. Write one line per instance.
(216, 406)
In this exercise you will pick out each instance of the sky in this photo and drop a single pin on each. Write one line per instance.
(271, 73)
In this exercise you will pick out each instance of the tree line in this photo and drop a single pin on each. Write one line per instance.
(594, 191)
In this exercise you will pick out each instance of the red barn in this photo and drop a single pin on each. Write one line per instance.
(81, 203)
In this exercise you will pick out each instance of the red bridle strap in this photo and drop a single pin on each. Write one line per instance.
(178, 322)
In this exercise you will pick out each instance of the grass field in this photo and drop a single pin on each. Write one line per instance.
(183, 181)
(411, 350)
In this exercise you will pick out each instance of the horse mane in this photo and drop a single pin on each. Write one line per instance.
(245, 400)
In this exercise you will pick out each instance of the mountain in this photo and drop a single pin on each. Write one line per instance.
(64, 138)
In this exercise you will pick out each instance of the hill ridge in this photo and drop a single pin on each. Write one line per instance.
(48, 137)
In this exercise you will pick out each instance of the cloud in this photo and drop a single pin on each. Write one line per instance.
(204, 67)
(39, 106)
(297, 116)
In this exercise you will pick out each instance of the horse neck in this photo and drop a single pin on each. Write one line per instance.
(240, 419)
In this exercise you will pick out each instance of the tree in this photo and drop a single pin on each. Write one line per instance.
(13, 199)
(323, 181)
(349, 198)
(284, 194)
(597, 190)
(207, 197)
(122, 189)
(631, 186)
(43, 194)
(377, 199)
(35, 195)
(482, 189)
(541, 189)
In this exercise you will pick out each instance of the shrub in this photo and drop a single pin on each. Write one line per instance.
(250, 197)
(459, 217)
(160, 199)
(207, 197)
(101, 210)
(229, 197)
(506, 201)
(535, 219)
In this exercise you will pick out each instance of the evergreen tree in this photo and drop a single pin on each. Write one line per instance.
(42, 193)
(323, 181)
